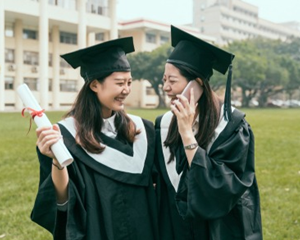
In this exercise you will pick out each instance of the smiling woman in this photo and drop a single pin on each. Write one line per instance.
(205, 151)
(107, 192)
(112, 92)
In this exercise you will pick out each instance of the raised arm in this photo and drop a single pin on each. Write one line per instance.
(46, 137)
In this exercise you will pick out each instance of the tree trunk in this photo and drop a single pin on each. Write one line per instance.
(262, 100)
(161, 100)
(245, 100)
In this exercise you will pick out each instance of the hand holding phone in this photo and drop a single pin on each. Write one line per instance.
(198, 90)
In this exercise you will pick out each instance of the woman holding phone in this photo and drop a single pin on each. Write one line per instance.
(107, 192)
(207, 186)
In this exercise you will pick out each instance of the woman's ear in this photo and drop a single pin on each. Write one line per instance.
(199, 81)
(94, 85)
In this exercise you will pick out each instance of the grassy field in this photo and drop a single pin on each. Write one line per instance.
(277, 133)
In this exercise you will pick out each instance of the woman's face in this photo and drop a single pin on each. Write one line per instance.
(112, 91)
(173, 81)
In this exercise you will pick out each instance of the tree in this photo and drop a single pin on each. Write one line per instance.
(265, 67)
(275, 78)
(150, 66)
(261, 68)
(248, 69)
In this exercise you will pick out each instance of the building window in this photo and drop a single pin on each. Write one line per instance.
(97, 7)
(29, 34)
(70, 4)
(100, 36)
(69, 38)
(50, 85)
(32, 83)
(31, 58)
(50, 60)
(9, 30)
(100, 10)
(164, 39)
(67, 4)
(9, 83)
(68, 85)
(63, 63)
(150, 91)
(93, 9)
(150, 38)
(9, 55)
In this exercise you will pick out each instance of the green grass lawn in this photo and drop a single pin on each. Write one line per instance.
(277, 134)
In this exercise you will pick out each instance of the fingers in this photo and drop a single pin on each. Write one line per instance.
(56, 127)
(183, 100)
(184, 104)
(179, 105)
(39, 130)
(46, 137)
(174, 110)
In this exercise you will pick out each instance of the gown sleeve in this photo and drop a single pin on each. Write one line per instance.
(45, 212)
(215, 181)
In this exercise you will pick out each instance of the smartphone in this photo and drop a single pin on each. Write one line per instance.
(198, 90)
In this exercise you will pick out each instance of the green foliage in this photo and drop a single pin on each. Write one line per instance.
(261, 68)
(277, 166)
(150, 66)
(265, 67)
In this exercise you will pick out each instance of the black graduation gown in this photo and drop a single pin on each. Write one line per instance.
(104, 203)
(216, 198)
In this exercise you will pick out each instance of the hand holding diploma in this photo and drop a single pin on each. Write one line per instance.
(53, 139)
(46, 137)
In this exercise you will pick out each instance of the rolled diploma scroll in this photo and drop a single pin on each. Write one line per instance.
(59, 149)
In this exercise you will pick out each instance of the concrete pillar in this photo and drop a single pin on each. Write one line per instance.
(44, 54)
(91, 39)
(113, 19)
(81, 35)
(142, 87)
(2, 56)
(106, 36)
(157, 41)
(19, 51)
(56, 68)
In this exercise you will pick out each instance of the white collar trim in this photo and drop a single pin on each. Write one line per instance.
(164, 128)
(115, 159)
(170, 167)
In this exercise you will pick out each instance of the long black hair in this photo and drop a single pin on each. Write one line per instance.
(87, 113)
(209, 114)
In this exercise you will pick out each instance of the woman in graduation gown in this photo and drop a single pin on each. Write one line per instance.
(107, 192)
(207, 188)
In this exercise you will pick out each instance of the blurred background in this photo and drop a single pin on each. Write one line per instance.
(264, 36)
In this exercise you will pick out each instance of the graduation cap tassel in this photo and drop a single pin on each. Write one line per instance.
(227, 102)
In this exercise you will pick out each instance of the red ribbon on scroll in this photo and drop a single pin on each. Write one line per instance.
(33, 114)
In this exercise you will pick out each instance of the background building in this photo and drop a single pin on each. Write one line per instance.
(34, 33)
(148, 35)
(230, 20)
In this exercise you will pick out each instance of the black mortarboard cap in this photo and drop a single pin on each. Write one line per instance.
(102, 58)
(202, 57)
